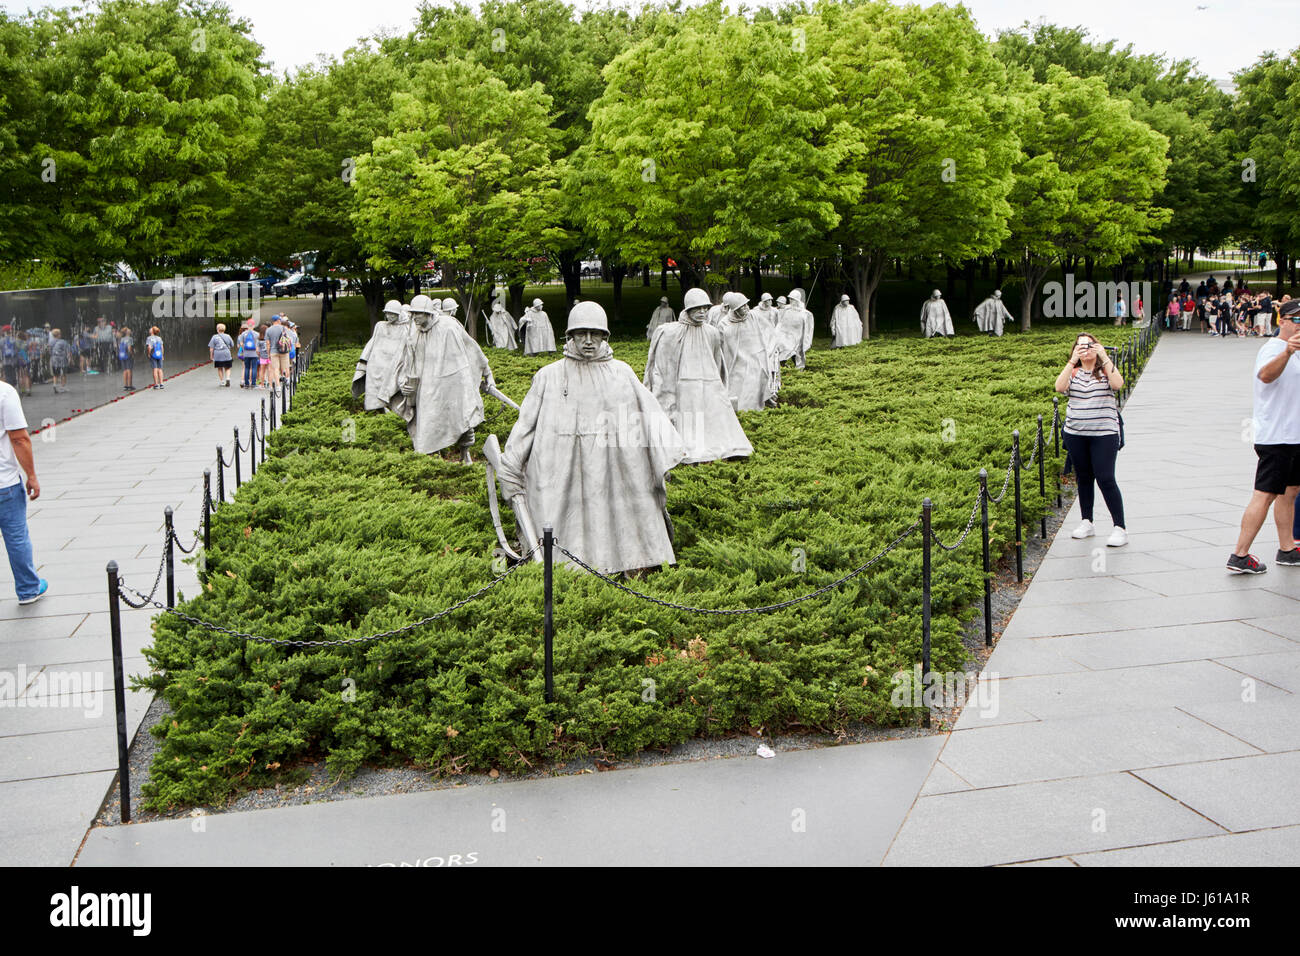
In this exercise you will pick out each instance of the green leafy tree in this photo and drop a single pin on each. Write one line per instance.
(1086, 180)
(922, 135)
(708, 145)
(465, 179)
(152, 117)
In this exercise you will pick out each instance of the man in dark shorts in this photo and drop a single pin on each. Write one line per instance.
(1277, 443)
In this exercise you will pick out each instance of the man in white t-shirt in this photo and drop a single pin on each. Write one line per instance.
(15, 451)
(1277, 443)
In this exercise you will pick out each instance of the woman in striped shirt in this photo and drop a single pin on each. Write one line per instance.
(1091, 431)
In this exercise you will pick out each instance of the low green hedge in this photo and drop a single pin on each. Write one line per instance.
(340, 536)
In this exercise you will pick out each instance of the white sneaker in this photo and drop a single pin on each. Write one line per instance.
(1085, 530)
(1118, 538)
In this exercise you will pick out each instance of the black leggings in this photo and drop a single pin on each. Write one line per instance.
(1094, 461)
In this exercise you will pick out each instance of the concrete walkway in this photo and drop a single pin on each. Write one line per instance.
(105, 478)
(1148, 712)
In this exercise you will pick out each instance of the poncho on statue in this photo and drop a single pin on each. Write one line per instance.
(751, 368)
(376, 372)
(445, 368)
(501, 328)
(590, 450)
(663, 313)
(990, 314)
(535, 330)
(685, 373)
(935, 318)
(794, 330)
(846, 325)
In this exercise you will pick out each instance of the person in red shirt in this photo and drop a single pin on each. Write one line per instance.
(1188, 307)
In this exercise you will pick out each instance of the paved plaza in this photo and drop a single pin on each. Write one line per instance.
(1148, 703)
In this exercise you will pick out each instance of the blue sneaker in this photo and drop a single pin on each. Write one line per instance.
(45, 586)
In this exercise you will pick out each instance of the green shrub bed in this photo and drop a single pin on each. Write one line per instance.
(346, 532)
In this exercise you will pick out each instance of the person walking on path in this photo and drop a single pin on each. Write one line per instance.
(277, 348)
(248, 354)
(1092, 431)
(60, 355)
(1276, 423)
(16, 453)
(220, 347)
(1121, 309)
(153, 347)
(263, 357)
(126, 358)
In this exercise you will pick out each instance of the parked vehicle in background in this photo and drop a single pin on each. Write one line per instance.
(300, 284)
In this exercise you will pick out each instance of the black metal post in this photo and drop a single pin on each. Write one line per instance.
(221, 477)
(284, 397)
(119, 692)
(988, 564)
(1056, 443)
(262, 438)
(170, 556)
(237, 476)
(1020, 514)
(925, 608)
(1042, 474)
(207, 508)
(272, 409)
(252, 444)
(548, 623)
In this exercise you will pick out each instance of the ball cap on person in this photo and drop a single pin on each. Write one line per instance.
(587, 317)
(1290, 311)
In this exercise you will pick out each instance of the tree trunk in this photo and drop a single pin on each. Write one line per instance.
(372, 291)
(865, 271)
(968, 303)
(998, 279)
(1034, 274)
(571, 272)
(515, 299)
(616, 275)
(1279, 257)
(663, 274)
(758, 280)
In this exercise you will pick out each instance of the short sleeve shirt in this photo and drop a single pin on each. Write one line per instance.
(1277, 403)
(11, 419)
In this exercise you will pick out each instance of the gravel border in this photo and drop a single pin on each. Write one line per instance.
(377, 781)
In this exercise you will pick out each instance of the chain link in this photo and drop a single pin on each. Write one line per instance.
(742, 610)
(1006, 483)
(162, 562)
(258, 639)
(969, 524)
(233, 452)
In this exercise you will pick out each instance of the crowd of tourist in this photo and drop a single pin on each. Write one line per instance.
(44, 355)
(267, 351)
(1225, 312)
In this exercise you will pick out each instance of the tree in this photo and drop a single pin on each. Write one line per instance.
(708, 145)
(1086, 179)
(152, 111)
(465, 179)
(922, 134)
(317, 123)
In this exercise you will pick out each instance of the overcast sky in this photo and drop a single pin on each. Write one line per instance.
(1220, 36)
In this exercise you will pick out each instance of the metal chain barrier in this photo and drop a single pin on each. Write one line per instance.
(742, 610)
(975, 511)
(162, 562)
(1006, 483)
(259, 639)
(233, 452)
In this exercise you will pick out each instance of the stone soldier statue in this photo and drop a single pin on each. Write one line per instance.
(846, 325)
(935, 318)
(535, 330)
(751, 368)
(794, 331)
(662, 313)
(765, 310)
(590, 454)
(991, 313)
(685, 372)
(376, 373)
(442, 374)
(501, 327)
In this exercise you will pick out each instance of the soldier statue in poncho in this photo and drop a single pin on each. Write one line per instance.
(590, 454)
(501, 327)
(442, 373)
(376, 372)
(846, 325)
(794, 330)
(685, 372)
(990, 314)
(751, 368)
(935, 318)
(765, 311)
(535, 330)
(662, 313)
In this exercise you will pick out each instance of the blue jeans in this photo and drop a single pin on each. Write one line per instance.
(250, 371)
(13, 524)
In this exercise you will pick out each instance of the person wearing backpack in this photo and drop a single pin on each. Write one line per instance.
(277, 348)
(220, 347)
(153, 347)
(248, 355)
(126, 358)
(263, 357)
